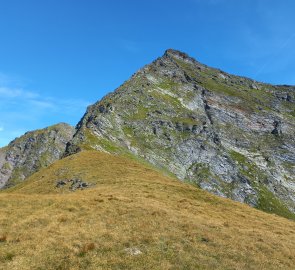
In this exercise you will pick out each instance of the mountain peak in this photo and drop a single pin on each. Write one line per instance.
(202, 125)
(176, 53)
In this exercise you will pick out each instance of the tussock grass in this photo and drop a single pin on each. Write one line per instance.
(133, 218)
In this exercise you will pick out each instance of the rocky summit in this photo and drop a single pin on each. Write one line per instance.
(230, 135)
(31, 152)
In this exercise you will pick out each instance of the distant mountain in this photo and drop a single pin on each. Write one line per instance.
(230, 135)
(32, 151)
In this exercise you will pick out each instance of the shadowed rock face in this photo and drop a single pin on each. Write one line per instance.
(32, 151)
(230, 135)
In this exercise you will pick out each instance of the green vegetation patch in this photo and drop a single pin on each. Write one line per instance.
(167, 99)
(168, 84)
(6, 166)
(93, 141)
(267, 201)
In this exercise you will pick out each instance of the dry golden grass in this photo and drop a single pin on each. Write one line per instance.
(133, 218)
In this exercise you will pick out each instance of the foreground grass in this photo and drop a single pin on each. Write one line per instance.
(133, 218)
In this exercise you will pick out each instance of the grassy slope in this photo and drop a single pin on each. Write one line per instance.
(173, 224)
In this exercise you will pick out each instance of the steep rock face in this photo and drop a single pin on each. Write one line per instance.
(32, 151)
(230, 135)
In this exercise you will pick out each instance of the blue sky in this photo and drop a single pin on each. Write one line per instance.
(58, 56)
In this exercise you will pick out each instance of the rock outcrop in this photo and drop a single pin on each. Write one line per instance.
(32, 151)
(230, 135)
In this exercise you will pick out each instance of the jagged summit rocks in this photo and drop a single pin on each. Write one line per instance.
(230, 135)
(178, 54)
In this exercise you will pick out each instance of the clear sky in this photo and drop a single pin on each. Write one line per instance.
(58, 56)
